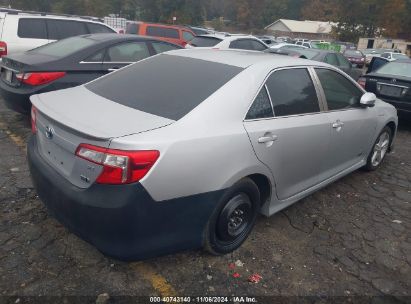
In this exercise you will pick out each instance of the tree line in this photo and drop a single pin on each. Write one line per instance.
(353, 18)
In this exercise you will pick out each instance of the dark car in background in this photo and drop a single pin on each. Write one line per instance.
(391, 82)
(330, 57)
(356, 57)
(71, 62)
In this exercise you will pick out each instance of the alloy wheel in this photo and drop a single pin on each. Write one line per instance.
(380, 149)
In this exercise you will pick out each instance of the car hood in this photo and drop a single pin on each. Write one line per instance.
(85, 112)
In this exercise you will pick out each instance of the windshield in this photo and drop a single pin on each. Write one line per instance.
(204, 41)
(396, 68)
(165, 85)
(64, 47)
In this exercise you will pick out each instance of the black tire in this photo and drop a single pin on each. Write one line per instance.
(371, 164)
(233, 218)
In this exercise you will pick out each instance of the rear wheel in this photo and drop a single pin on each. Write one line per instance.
(379, 150)
(233, 218)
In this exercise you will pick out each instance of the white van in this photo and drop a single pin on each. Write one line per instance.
(22, 31)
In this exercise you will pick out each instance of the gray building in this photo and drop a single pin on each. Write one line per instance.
(313, 30)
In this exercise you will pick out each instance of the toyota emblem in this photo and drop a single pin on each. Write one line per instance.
(49, 132)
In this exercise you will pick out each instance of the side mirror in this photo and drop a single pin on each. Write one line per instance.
(368, 100)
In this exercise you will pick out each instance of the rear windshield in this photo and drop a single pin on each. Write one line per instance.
(396, 69)
(166, 85)
(64, 47)
(204, 41)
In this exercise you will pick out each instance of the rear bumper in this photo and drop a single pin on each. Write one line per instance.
(16, 99)
(122, 221)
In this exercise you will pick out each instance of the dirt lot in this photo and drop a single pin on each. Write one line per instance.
(350, 239)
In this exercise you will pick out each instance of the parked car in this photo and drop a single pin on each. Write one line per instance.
(371, 53)
(330, 57)
(306, 44)
(21, 31)
(71, 62)
(268, 40)
(391, 56)
(356, 57)
(282, 46)
(392, 83)
(223, 42)
(127, 180)
(199, 30)
(176, 34)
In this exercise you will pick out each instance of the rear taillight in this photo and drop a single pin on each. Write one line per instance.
(119, 167)
(33, 119)
(3, 48)
(39, 78)
(362, 81)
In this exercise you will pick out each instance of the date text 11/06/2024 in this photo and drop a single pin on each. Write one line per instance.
(203, 300)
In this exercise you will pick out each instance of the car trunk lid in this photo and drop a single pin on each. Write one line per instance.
(65, 119)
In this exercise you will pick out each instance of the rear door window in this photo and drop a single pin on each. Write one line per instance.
(241, 44)
(32, 28)
(292, 92)
(127, 52)
(161, 47)
(261, 107)
(343, 62)
(205, 41)
(331, 59)
(95, 28)
(166, 32)
(257, 45)
(60, 29)
(166, 85)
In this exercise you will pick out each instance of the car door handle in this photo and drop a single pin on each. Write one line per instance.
(112, 69)
(267, 139)
(338, 124)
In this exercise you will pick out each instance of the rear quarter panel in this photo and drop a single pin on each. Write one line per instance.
(206, 150)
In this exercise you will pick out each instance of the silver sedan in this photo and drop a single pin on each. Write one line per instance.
(183, 150)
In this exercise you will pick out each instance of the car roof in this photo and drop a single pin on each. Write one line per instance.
(242, 58)
(114, 36)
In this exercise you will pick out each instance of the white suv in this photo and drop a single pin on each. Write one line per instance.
(22, 31)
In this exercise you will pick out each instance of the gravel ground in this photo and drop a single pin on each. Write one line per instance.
(351, 239)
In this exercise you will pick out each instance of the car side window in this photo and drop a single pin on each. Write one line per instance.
(257, 45)
(261, 107)
(342, 62)
(158, 31)
(161, 47)
(241, 44)
(340, 92)
(95, 28)
(97, 57)
(127, 52)
(132, 28)
(292, 92)
(187, 36)
(60, 29)
(331, 59)
(32, 28)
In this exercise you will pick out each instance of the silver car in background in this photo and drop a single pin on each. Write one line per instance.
(183, 150)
